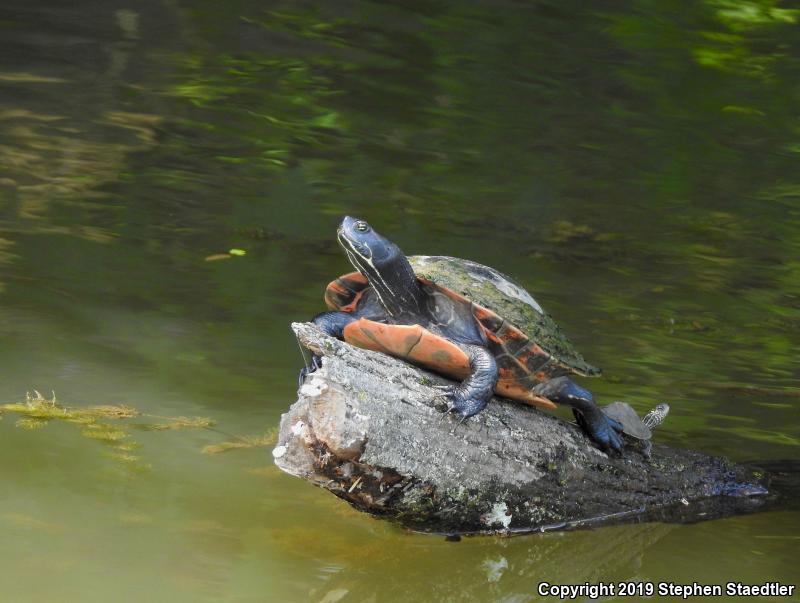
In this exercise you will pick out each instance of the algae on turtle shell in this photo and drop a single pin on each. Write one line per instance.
(500, 293)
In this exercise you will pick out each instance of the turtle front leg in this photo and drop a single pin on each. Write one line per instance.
(602, 429)
(332, 323)
(473, 394)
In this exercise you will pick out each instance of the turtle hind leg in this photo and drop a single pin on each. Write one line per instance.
(602, 429)
(473, 394)
(333, 324)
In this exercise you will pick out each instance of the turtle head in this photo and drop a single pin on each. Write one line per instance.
(366, 249)
(383, 263)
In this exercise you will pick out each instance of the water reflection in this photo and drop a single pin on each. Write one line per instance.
(491, 569)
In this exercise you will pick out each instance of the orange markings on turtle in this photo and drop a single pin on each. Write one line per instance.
(508, 385)
(517, 392)
(506, 374)
(418, 345)
(411, 342)
(441, 356)
(481, 312)
(345, 292)
(512, 335)
(492, 337)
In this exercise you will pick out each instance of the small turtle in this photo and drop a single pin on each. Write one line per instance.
(635, 428)
(463, 320)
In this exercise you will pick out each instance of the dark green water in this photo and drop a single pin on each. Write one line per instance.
(635, 164)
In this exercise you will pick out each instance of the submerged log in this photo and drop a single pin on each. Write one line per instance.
(365, 427)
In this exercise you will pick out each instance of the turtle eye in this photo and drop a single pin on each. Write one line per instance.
(362, 226)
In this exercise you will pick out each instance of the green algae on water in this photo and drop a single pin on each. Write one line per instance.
(103, 423)
(266, 440)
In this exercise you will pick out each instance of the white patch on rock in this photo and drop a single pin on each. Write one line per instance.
(297, 428)
(279, 451)
(313, 388)
(498, 514)
(361, 418)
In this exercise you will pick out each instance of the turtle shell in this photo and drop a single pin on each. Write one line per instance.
(527, 344)
(632, 425)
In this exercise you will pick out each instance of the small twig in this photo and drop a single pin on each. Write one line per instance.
(355, 484)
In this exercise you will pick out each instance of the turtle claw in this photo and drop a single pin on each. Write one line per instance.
(444, 406)
(459, 422)
(316, 363)
(607, 432)
(457, 403)
(445, 394)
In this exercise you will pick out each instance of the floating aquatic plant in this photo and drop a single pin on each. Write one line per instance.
(267, 440)
(104, 423)
(110, 425)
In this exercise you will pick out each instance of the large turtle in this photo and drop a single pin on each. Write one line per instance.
(463, 320)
